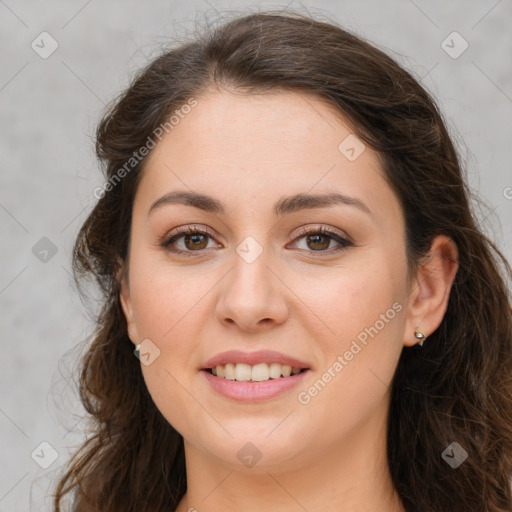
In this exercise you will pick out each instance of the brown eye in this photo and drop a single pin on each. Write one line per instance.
(196, 241)
(187, 241)
(319, 240)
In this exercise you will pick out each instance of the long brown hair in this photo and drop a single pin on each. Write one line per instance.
(457, 388)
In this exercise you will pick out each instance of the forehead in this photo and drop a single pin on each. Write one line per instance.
(239, 146)
(272, 127)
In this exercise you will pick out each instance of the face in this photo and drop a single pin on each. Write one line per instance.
(259, 279)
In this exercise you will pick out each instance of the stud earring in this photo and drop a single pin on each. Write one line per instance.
(420, 337)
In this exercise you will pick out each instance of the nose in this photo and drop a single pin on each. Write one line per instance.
(253, 296)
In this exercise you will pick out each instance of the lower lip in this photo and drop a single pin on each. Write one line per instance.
(249, 391)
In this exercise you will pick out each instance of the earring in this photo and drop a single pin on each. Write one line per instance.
(420, 337)
(137, 351)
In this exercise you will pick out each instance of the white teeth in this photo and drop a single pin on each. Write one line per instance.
(275, 370)
(229, 371)
(257, 373)
(243, 371)
(286, 370)
(260, 372)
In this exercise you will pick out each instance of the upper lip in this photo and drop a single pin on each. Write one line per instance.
(252, 358)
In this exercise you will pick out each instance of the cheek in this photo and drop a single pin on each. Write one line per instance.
(356, 298)
(166, 307)
(364, 310)
(165, 298)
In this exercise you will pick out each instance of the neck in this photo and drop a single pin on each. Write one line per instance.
(352, 476)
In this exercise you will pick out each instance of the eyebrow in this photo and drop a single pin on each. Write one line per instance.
(283, 206)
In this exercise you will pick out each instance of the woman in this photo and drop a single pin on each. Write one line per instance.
(285, 238)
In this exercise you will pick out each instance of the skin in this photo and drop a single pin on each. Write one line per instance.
(248, 151)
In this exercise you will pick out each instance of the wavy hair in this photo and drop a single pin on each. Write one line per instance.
(457, 388)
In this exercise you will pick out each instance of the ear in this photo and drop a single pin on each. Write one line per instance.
(430, 289)
(126, 301)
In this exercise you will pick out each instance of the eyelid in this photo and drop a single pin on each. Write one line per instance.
(311, 229)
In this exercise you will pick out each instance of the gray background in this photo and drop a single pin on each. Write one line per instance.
(49, 109)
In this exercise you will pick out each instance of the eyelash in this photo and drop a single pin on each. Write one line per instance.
(193, 230)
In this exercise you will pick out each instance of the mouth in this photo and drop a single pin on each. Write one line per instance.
(253, 383)
(261, 372)
(253, 376)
